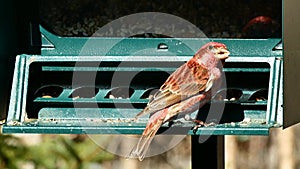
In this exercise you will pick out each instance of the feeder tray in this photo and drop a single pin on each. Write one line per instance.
(99, 91)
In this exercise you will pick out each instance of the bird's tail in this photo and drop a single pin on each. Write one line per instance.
(140, 149)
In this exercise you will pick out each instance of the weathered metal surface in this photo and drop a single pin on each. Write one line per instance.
(66, 113)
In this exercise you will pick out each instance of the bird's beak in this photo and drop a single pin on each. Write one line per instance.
(223, 53)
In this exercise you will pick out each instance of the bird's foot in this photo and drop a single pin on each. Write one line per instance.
(199, 123)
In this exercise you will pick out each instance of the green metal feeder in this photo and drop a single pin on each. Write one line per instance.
(98, 88)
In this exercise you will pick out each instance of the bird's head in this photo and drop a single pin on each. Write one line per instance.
(219, 50)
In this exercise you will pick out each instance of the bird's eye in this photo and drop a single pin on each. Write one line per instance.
(210, 47)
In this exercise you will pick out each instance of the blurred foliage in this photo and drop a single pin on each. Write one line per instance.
(54, 151)
(11, 152)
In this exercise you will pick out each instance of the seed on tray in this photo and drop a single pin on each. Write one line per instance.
(232, 99)
(75, 97)
(47, 97)
(260, 99)
(114, 97)
(246, 121)
(111, 96)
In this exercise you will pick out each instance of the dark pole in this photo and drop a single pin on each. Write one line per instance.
(209, 154)
(19, 34)
(8, 45)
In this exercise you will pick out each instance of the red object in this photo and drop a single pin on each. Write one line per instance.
(185, 91)
(260, 27)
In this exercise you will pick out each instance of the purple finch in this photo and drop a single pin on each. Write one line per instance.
(185, 91)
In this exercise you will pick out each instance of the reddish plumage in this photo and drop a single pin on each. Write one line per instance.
(185, 91)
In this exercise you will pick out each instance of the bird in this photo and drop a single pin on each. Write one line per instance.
(186, 90)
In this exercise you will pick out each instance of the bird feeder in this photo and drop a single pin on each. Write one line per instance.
(98, 93)
(96, 85)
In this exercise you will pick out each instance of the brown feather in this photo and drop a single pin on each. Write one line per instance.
(189, 79)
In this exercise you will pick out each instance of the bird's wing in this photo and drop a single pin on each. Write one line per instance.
(186, 81)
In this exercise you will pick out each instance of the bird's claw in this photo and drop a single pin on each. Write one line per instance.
(201, 124)
(209, 124)
(195, 128)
